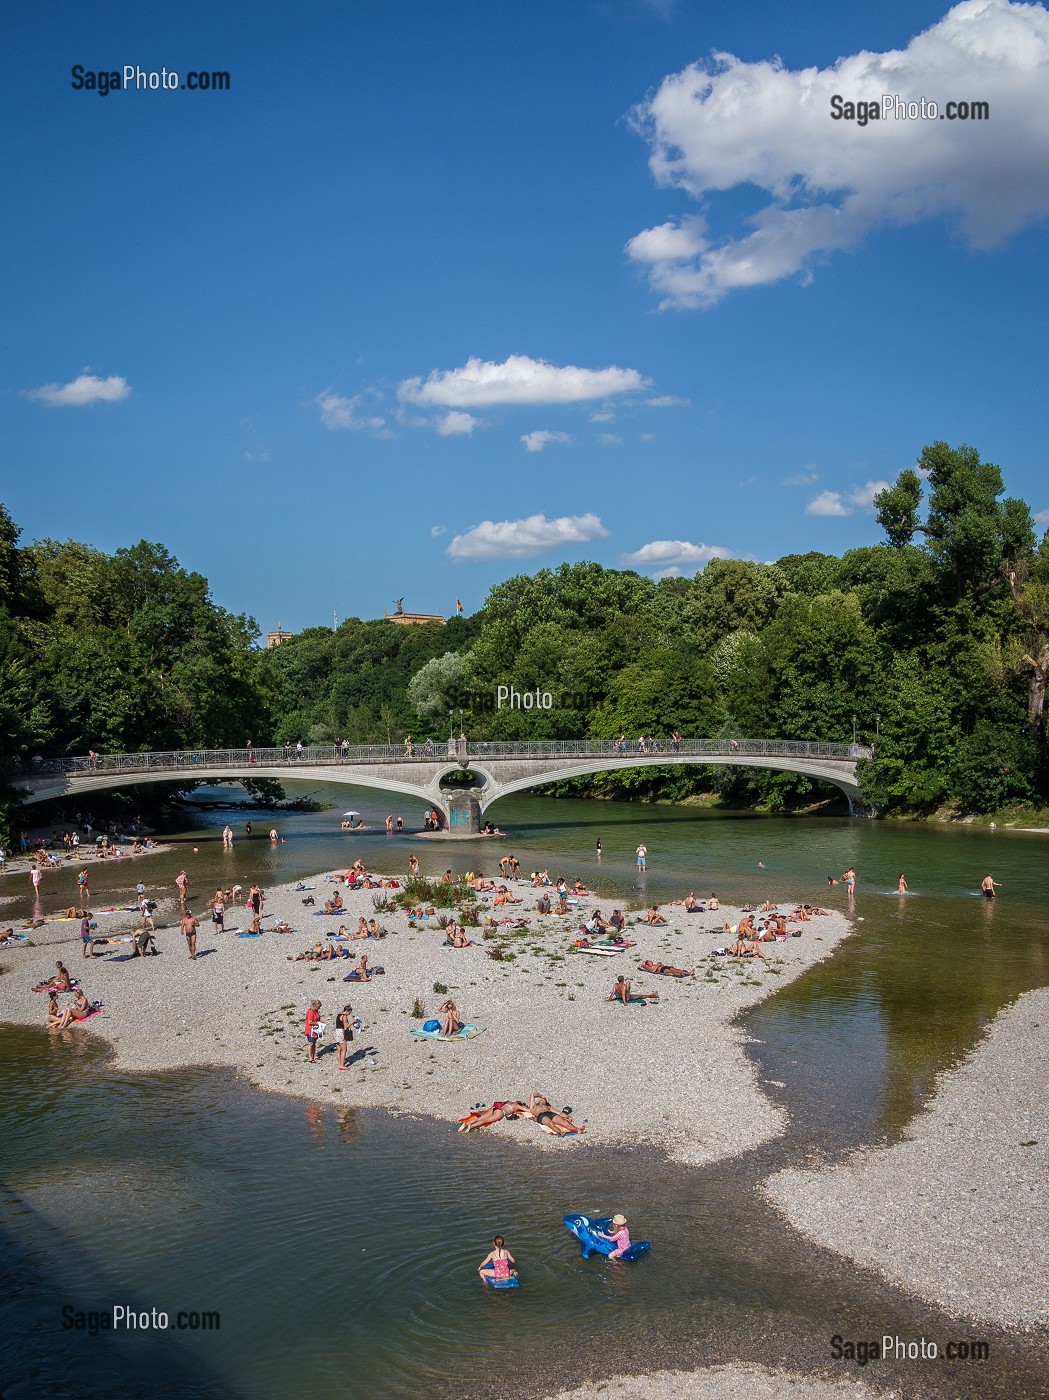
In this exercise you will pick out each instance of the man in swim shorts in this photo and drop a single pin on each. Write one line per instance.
(189, 925)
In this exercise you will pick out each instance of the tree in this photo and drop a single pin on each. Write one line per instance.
(974, 538)
(1029, 586)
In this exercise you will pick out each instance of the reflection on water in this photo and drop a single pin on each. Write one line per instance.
(350, 1264)
(340, 1246)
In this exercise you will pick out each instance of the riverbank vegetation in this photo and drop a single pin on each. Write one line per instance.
(932, 646)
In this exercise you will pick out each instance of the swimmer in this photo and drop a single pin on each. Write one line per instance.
(496, 1264)
(901, 885)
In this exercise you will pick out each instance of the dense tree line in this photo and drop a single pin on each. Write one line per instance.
(936, 641)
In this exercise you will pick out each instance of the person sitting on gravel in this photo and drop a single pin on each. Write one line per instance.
(451, 1021)
(595, 926)
(621, 992)
(334, 905)
(374, 930)
(746, 948)
(455, 937)
(60, 982)
(79, 1009)
(655, 917)
(504, 897)
(544, 906)
(665, 970)
(616, 921)
(282, 926)
(690, 903)
(361, 970)
(579, 888)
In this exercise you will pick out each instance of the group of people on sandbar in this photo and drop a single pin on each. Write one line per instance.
(538, 1110)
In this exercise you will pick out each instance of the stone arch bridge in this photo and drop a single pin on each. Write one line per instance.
(421, 771)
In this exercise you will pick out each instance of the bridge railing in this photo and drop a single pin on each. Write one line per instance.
(183, 763)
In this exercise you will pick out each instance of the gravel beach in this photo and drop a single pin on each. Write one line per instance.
(671, 1074)
(724, 1383)
(956, 1212)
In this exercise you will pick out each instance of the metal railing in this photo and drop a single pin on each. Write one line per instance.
(182, 763)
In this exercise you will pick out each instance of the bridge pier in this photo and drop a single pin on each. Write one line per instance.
(463, 810)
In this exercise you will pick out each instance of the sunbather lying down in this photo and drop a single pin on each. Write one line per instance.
(320, 953)
(665, 970)
(546, 1117)
(498, 1112)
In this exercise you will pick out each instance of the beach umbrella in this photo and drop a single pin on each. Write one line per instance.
(351, 814)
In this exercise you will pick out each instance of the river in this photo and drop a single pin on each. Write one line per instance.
(338, 1247)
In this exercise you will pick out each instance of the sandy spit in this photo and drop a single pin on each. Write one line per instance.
(956, 1212)
(724, 1383)
(672, 1074)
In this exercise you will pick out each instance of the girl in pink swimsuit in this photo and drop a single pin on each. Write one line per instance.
(497, 1263)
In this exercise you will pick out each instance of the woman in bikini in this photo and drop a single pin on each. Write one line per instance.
(498, 1112)
(451, 1022)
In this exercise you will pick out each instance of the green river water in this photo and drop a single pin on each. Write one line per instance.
(339, 1247)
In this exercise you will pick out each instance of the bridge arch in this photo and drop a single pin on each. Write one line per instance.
(826, 771)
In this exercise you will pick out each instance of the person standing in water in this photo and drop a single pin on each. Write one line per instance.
(599, 848)
(642, 858)
(988, 885)
(902, 885)
(496, 1264)
(850, 881)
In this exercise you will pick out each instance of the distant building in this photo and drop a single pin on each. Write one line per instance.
(407, 619)
(274, 639)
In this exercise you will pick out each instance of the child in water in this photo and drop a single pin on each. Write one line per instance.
(496, 1264)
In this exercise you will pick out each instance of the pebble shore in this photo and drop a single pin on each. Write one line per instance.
(673, 1074)
(724, 1383)
(956, 1212)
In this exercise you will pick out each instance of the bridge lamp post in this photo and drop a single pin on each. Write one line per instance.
(451, 716)
(854, 730)
(460, 721)
(877, 726)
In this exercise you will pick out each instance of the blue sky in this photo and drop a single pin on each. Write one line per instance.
(439, 293)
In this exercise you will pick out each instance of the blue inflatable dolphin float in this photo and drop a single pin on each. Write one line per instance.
(590, 1234)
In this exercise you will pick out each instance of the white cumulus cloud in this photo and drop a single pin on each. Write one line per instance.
(828, 503)
(863, 496)
(518, 380)
(727, 123)
(340, 412)
(456, 422)
(535, 442)
(85, 389)
(805, 478)
(521, 539)
(604, 417)
(1042, 517)
(436, 531)
(672, 558)
(845, 502)
(668, 401)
